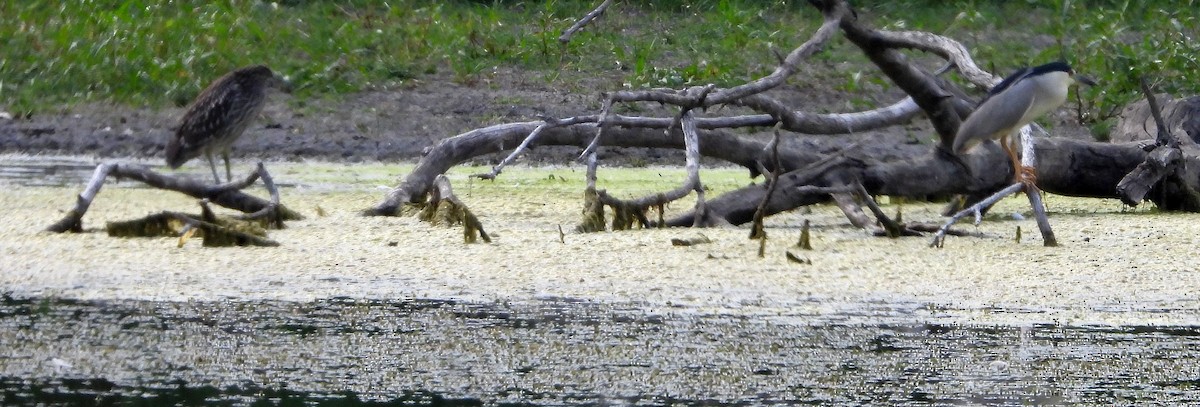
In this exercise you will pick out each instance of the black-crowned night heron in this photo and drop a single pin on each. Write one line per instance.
(1013, 103)
(219, 116)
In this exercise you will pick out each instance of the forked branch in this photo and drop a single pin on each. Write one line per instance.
(228, 195)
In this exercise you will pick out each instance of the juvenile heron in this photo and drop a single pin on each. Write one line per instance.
(219, 116)
(1013, 103)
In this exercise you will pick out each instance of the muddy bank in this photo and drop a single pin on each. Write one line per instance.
(563, 351)
(398, 124)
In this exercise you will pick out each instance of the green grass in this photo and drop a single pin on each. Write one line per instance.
(153, 53)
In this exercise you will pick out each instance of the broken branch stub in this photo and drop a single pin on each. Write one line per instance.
(443, 207)
(1164, 167)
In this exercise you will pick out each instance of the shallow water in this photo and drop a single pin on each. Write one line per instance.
(45, 171)
(561, 351)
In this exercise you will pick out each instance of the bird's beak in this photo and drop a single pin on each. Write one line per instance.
(1085, 80)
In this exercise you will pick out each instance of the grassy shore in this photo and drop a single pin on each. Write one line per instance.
(152, 54)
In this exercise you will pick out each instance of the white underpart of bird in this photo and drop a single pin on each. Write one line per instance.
(1056, 84)
(1028, 99)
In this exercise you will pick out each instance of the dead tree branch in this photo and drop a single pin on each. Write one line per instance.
(1164, 165)
(228, 195)
(1067, 167)
(587, 18)
(834, 12)
(691, 142)
(756, 229)
(939, 238)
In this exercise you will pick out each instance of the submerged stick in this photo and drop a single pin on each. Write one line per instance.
(805, 238)
(891, 228)
(445, 207)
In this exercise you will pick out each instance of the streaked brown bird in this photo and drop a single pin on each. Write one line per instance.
(217, 117)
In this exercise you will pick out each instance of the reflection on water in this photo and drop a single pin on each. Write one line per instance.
(360, 352)
(38, 171)
(46, 171)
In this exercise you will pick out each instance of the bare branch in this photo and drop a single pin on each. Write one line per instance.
(756, 228)
(691, 142)
(602, 123)
(1164, 136)
(73, 221)
(692, 183)
(227, 195)
(568, 33)
(942, 107)
(840, 123)
(525, 144)
(1039, 213)
(850, 207)
(939, 238)
(834, 14)
(271, 212)
(953, 51)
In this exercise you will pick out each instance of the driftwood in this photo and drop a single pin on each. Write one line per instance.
(1064, 166)
(228, 195)
(1180, 115)
(1165, 164)
(216, 232)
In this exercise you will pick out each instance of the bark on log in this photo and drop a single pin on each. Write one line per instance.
(1065, 167)
(1182, 117)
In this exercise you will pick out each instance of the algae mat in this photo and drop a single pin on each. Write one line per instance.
(353, 310)
(1116, 265)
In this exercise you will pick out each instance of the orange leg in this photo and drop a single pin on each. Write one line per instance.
(1022, 174)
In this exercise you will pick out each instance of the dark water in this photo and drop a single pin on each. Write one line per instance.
(362, 352)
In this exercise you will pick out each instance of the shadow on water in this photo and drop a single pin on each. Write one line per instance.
(356, 352)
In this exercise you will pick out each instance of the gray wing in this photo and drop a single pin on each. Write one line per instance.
(995, 116)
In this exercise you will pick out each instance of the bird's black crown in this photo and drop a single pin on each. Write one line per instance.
(1056, 66)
